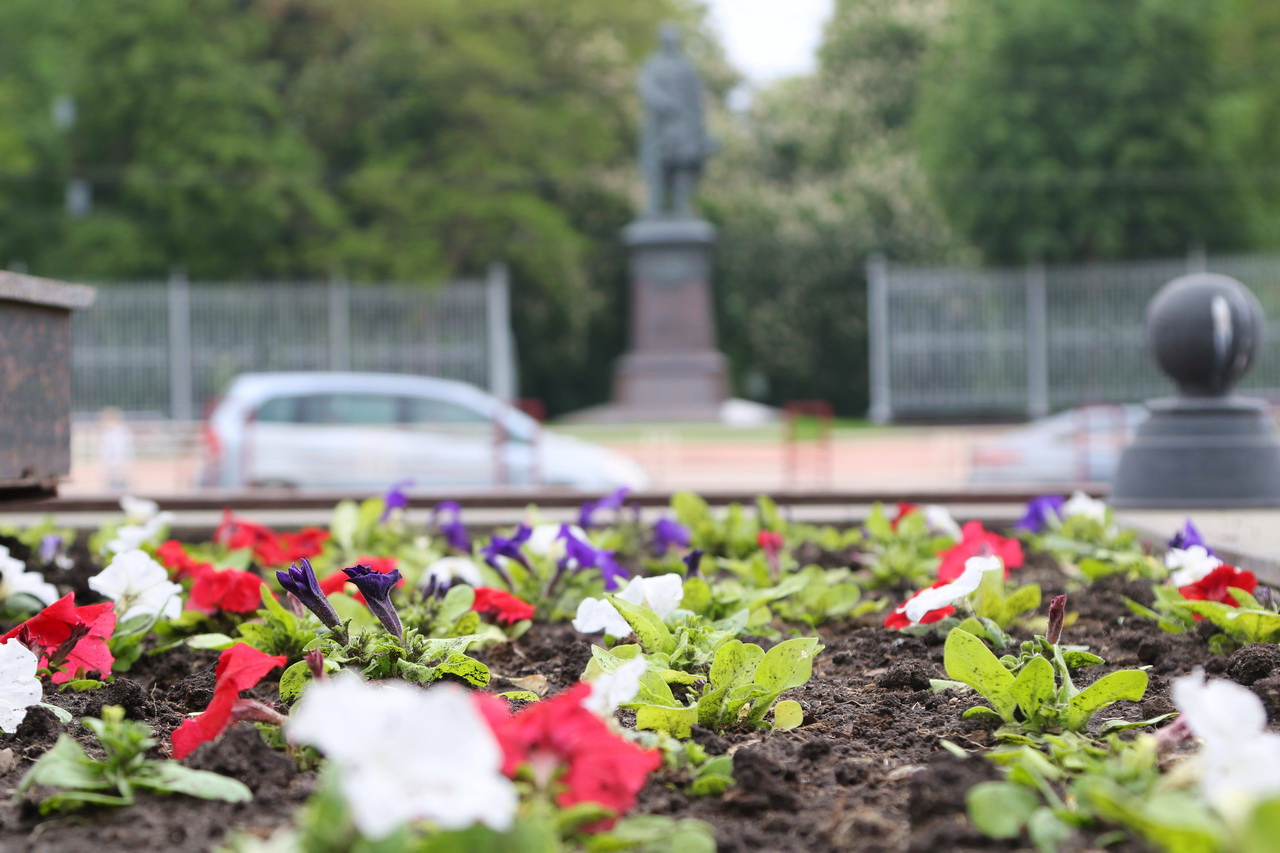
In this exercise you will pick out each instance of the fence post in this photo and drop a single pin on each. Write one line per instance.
(500, 349)
(181, 395)
(1197, 260)
(1037, 341)
(339, 323)
(878, 332)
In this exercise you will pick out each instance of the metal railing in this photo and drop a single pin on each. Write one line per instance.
(951, 342)
(167, 348)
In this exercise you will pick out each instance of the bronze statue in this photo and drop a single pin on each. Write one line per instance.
(674, 144)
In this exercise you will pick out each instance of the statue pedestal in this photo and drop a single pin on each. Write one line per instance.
(672, 370)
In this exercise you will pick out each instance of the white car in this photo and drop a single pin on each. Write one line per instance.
(369, 430)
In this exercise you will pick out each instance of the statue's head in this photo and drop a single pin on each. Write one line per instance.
(669, 37)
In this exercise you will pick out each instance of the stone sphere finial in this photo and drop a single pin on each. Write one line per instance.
(1204, 331)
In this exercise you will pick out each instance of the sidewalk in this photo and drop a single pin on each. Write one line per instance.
(167, 462)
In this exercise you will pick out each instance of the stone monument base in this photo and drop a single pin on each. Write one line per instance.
(1192, 453)
(672, 372)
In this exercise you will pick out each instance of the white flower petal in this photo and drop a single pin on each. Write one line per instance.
(662, 594)
(138, 510)
(15, 579)
(1189, 565)
(139, 586)
(939, 520)
(449, 569)
(611, 689)
(931, 599)
(1081, 504)
(404, 754)
(596, 614)
(19, 687)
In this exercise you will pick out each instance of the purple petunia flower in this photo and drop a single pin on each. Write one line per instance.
(614, 501)
(668, 533)
(612, 573)
(1041, 512)
(1188, 536)
(376, 588)
(585, 556)
(455, 532)
(395, 498)
(50, 545)
(693, 560)
(501, 546)
(300, 580)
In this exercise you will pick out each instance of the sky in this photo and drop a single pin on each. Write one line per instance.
(768, 39)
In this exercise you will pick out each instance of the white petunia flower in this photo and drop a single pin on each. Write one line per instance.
(139, 586)
(939, 520)
(1188, 565)
(595, 615)
(1082, 505)
(19, 687)
(930, 599)
(1239, 761)
(15, 580)
(611, 689)
(403, 754)
(132, 536)
(138, 510)
(545, 540)
(662, 595)
(449, 569)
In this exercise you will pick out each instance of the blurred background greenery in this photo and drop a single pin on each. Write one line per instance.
(421, 139)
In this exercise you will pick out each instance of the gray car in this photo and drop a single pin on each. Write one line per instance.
(328, 430)
(1080, 445)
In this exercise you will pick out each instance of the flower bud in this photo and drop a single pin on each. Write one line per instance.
(376, 588)
(1057, 613)
(301, 581)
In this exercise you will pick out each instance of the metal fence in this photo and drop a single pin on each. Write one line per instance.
(167, 348)
(949, 342)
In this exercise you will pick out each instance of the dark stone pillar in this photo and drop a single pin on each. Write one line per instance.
(1205, 447)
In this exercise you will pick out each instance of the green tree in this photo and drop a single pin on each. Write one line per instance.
(1066, 131)
(817, 175)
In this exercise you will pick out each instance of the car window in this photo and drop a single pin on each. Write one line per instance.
(281, 410)
(425, 410)
(354, 409)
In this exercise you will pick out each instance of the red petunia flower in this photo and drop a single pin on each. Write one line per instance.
(559, 736)
(175, 558)
(904, 509)
(502, 606)
(305, 544)
(1215, 585)
(770, 541)
(337, 581)
(976, 541)
(239, 668)
(270, 549)
(70, 640)
(229, 590)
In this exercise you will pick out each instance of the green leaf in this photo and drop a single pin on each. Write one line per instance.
(293, 681)
(1114, 726)
(210, 641)
(650, 630)
(1048, 832)
(344, 523)
(676, 721)
(734, 662)
(1128, 684)
(697, 595)
(520, 695)
(63, 715)
(65, 765)
(788, 664)
(467, 668)
(787, 715)
(1000, 809)
(967, 659)
(179, 779)
(1262, 828)
(1079, 660)
(1034, 686)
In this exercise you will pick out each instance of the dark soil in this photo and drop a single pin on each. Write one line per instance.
(865, 772)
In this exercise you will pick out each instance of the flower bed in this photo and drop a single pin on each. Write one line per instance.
(726, 680)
